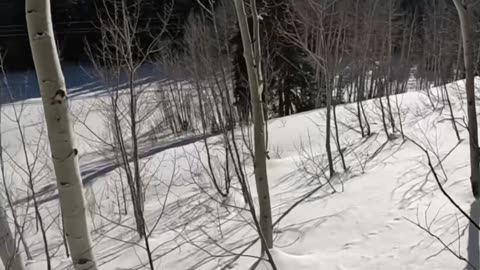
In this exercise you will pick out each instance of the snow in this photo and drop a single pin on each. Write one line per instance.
(363, 225)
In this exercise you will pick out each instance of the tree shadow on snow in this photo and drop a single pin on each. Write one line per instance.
(91, 172)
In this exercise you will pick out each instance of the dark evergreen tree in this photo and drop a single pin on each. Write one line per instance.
(288, 77)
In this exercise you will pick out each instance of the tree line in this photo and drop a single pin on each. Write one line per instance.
(235, 65)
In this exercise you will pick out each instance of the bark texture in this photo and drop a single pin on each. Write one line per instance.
(253, 60)
(60, 133)
(468, 56)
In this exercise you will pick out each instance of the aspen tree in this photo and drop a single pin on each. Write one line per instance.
(60, 132)
(251, 45)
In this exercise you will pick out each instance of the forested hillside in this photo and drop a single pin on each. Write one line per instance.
(239, 134)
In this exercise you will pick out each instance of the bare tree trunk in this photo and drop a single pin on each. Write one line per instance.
(328, 130)
(367, 124)
(138, 184)
(400, 121)
(389, 79)
(31, 186)
(382, 109)
(360, 85)
(463, 14)
(454, 123)
(459, 66)
(252, 57)
(60, 132)
(337, 139)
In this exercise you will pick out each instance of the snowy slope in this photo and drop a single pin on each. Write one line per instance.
(364, 225)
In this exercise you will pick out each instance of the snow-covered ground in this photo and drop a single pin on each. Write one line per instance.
(365, 224)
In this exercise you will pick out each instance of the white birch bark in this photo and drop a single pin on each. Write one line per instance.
(9, 254)
(253, 62)
(60, 133)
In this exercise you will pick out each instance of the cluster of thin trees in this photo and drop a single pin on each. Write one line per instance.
(355, 51)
